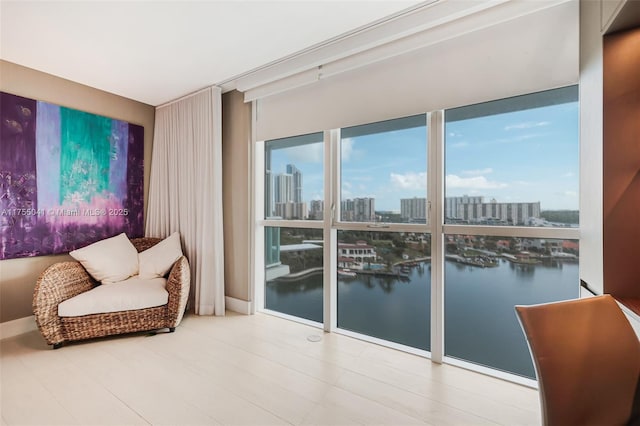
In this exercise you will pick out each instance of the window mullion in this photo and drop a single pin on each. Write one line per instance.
(331, 179)
(436, 201)
(258, 217)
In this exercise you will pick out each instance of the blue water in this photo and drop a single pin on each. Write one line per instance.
(388, 308)
(479, 319)
(480, 322)
(301, 297)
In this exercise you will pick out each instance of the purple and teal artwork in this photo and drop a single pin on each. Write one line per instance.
(67, 178)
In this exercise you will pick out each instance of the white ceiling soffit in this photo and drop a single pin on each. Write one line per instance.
(157, 51)
(528, 54)
(421, 27)
(626, 16)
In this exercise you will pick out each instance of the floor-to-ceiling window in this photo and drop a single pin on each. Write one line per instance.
(293, 249)
(511, 201)
(425, 227)
(383, 248)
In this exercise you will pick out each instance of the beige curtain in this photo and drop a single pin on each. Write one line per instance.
(185, 193)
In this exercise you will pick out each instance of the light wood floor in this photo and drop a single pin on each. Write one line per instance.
(252, 370)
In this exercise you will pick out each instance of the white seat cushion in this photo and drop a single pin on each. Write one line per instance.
(134, 293)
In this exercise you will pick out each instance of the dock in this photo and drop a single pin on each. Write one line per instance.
(471, 261)
(379, 273)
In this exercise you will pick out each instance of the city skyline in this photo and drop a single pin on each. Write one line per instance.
(286, 203)
(522, 156)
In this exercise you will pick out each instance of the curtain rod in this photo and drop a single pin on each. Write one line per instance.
(181, 98)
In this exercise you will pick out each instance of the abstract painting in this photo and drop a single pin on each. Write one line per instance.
(67, 178)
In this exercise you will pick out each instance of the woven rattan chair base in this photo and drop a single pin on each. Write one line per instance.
(99, 325)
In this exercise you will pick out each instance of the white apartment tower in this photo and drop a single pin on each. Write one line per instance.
(287, 194)
(296, 188)
(413, 209)
(452, 205)
(359, 210)
(283, 188)
(316, 209)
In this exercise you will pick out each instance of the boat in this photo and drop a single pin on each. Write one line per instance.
(563, 255)
(346, 273)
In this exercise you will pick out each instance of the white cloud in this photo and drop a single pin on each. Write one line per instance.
(527, 125)
(478, 172)
(476, 182)
(409, 180)
(348, 190)
(568, 175)
(459, 145)
(572, 194)
(346, 149)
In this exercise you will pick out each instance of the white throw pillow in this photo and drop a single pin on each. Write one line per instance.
(156, 261)
(111, 260)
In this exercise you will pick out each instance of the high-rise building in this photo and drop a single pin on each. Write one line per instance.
(474, 209)
(316, 210)
(282, 188)
(452, 205)
(287, 194)
(358, 210)
(296, 183)
(291, 210)
(494, 212)
(413, 209)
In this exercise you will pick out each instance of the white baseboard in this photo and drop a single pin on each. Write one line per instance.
(18, 326)
(27, 324)
(237, 305)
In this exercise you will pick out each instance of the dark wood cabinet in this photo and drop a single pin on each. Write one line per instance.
(621, 166)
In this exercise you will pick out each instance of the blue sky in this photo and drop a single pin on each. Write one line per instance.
(522, 156)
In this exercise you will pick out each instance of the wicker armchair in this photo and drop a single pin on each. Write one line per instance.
(65, 280)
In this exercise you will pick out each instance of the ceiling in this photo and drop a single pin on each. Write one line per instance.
(157, 51)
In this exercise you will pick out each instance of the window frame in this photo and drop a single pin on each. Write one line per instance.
(435, 226)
